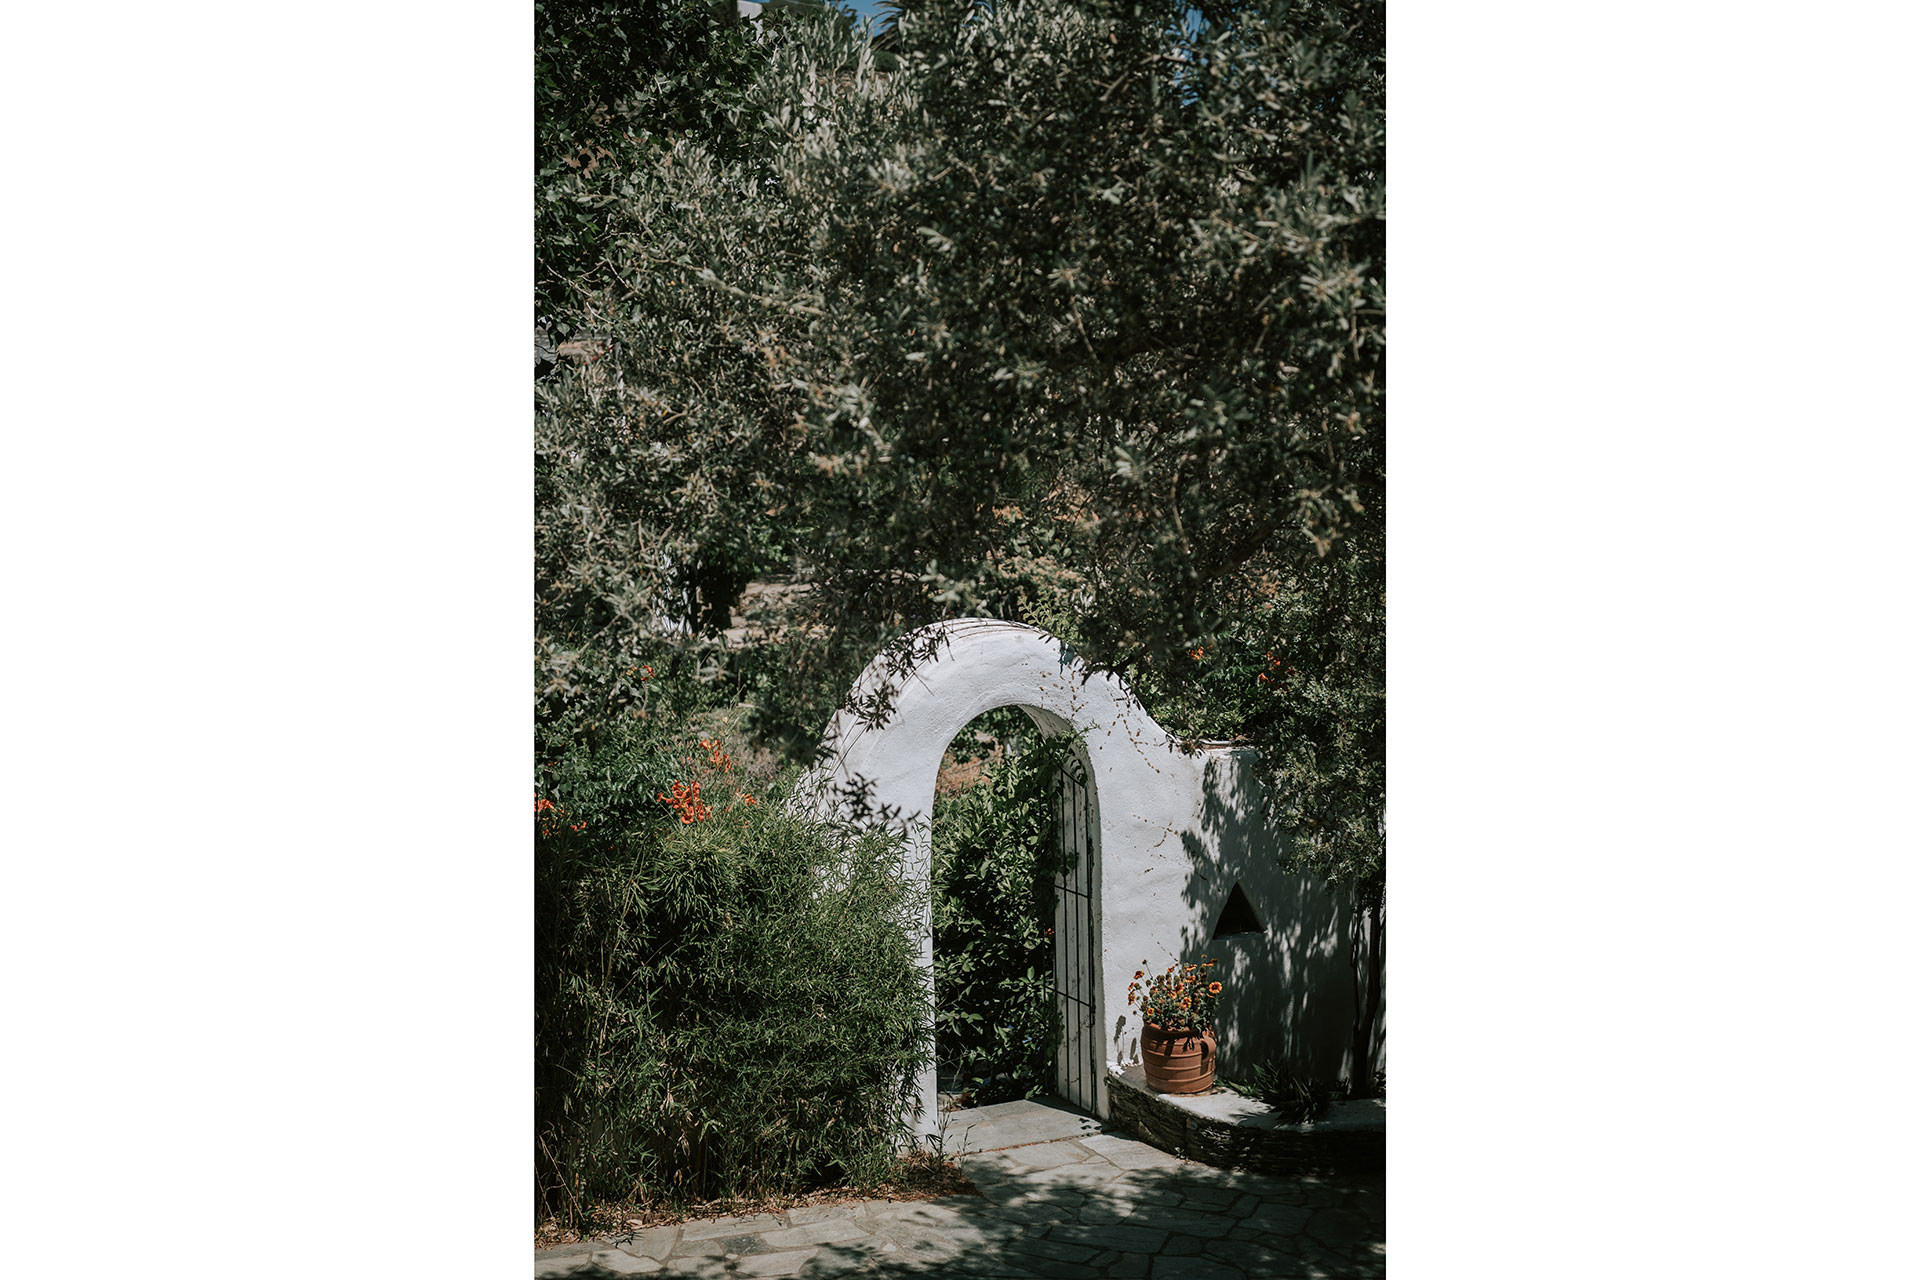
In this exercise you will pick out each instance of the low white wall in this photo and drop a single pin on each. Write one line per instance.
(1177, 830)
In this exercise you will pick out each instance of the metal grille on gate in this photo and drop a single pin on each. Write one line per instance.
(1076, 964)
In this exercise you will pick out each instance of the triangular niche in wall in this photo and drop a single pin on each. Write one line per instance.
(1237, 916)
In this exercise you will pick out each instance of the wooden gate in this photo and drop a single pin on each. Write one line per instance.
(1076, 946)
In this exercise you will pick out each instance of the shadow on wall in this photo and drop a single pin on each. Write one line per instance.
(1289, 984)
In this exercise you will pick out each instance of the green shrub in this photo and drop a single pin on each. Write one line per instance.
(726, 999)
(1295, 1097)
(995, 851)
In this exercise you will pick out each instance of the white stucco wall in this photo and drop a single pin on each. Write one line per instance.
(1177, 829)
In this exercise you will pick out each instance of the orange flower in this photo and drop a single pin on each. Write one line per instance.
(686, 802)
(1213, 989)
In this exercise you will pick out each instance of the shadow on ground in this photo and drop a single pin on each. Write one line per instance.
(1095, 1206)
(1149, 1223)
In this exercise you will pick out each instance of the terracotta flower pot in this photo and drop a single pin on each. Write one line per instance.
(1178, 1061)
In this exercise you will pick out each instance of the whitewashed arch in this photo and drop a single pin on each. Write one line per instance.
(1177, 828)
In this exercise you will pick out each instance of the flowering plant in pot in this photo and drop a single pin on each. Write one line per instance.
(1177, 1048)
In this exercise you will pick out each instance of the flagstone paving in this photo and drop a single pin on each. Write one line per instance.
(1059, 1198)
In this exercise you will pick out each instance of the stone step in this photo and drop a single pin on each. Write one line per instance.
(1232, 1131)
(1013, 1124)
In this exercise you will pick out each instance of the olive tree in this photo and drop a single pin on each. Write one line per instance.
(1071, 313)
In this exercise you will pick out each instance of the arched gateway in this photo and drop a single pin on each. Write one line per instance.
(1174, 856)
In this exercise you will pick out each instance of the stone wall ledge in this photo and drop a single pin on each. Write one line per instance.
(1231, 1131)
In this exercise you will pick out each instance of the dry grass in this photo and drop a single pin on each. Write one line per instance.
(920, 1176)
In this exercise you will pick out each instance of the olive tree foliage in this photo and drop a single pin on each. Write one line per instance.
(1071, 287)
(1080, 270)
(1070, 313)
(635, 100)
(614, 81)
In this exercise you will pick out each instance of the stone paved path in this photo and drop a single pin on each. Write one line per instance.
(1059, 1198)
